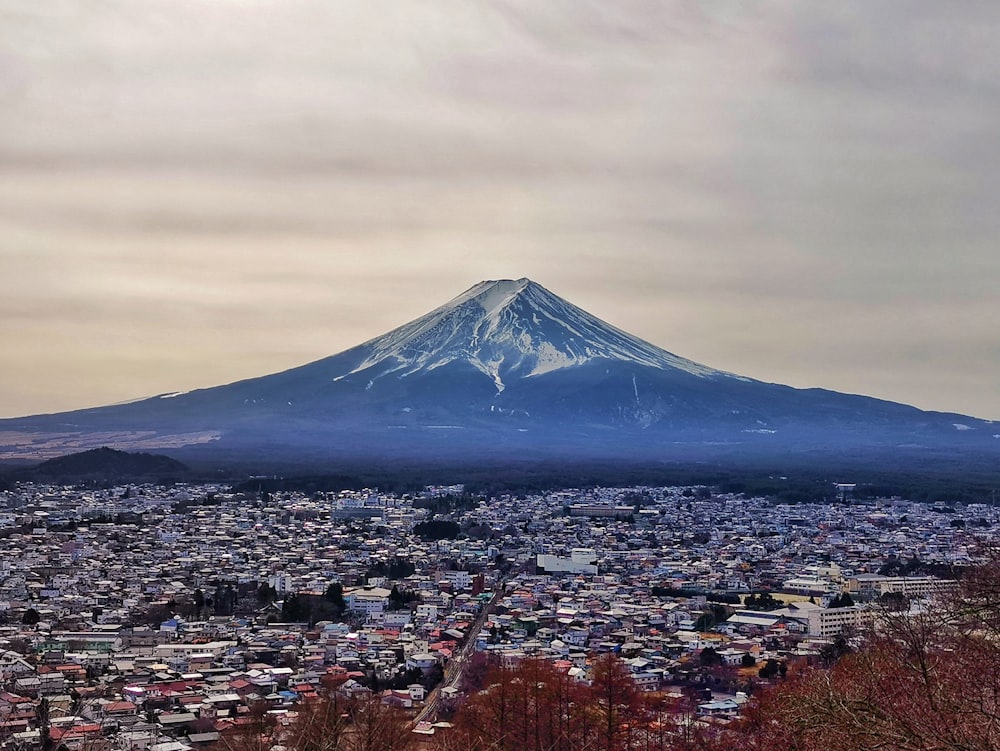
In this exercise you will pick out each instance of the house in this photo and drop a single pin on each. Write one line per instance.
(417, 692)
(719, 708)
(647, 681)
(398, 699)
(422, 660)
(13, 665)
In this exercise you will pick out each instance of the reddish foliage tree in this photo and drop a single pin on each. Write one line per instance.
(920, 681)
(535, 707)
(375, 726)
(531, 707)
(618, 702)
(320, 724)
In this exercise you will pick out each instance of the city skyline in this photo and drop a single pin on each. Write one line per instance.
(195, 193)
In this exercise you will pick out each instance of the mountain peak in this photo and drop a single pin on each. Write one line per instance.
(494, 294)
(509, 328)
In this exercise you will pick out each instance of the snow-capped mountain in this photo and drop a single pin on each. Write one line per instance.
(506, 368)
(510, 329)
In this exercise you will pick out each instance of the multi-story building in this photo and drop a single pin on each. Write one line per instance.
(827, 623)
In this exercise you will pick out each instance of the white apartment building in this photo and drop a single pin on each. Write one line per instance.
(827, 623)
(874, 585)
(368, 600)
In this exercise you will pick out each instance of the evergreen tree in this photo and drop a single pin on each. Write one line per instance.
(843, 600)
(291, 608)
(396, 600)
(335, 595)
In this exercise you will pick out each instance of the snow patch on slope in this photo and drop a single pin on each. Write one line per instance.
(548, 358)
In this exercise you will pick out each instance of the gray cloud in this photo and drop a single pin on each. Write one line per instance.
(193, 192)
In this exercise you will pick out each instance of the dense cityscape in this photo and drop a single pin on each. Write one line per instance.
(167, 618)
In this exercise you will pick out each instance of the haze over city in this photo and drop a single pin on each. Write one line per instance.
(197, 192)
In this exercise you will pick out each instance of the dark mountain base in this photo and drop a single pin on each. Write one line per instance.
(804, 476)
(794, 477)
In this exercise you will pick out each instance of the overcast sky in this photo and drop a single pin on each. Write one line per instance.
(198, 191)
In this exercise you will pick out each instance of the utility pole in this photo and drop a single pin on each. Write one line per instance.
(44, 725)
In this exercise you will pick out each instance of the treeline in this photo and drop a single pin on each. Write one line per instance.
(726, 598)
(304, 607)
(722, 597)
(895, 566)
(930, 479)
(437, 529)
(397, 567)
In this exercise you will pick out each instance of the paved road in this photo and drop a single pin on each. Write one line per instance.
(453, 670)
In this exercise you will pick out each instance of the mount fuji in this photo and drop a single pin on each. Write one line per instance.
(506, 369)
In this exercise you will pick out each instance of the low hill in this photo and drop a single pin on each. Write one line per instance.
(106, 464)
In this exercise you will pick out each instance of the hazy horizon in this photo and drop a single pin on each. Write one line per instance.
(196, 192)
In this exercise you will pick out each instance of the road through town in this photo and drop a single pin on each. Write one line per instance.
(456, 665)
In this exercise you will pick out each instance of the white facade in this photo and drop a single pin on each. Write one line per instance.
(829, 622)
(554, 564)
(427, 612)
(874, 585)
(368, 600)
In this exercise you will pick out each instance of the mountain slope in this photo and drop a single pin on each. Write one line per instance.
(507, 366)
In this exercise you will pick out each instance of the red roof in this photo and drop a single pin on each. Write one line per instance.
(75, 731)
